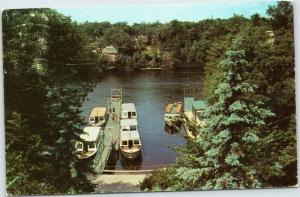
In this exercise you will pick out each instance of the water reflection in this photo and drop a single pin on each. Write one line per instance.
(134, 164)
(127, 164)
(175, 129)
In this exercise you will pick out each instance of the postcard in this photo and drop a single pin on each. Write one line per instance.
(149, 97)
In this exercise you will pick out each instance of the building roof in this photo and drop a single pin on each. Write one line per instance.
(129, 135)
(98, 111)
(110, 50)
(199, 105)
(90, 134)
(188, 104)
(128, 107)
(128, 122)
(270, 33)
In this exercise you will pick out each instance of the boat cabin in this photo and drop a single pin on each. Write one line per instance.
(128, 125)
(98, 116)
(193, 109)
(198, 108)
(88, 142)
(173, 111)
(128, 111)
(130, 140)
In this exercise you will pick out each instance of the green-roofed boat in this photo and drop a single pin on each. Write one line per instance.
(193, 111)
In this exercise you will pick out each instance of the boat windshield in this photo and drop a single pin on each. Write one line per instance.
(133, 128)
(125, 129)
(92, 145)
(130, 143)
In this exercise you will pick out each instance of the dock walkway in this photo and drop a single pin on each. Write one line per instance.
(110, 136)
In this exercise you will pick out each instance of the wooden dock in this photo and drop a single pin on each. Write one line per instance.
(111, 133)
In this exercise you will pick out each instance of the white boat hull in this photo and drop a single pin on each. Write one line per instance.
(86, 155)
(131, 153)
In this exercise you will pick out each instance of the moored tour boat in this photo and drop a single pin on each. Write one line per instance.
(173, 114)
(128, 111)
(98, 116)
(130, 141)
(88, 143)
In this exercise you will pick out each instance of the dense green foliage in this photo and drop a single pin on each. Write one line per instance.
(41, 106)
(244, 145)
(173, 44)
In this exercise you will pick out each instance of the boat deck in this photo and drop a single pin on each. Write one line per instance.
(111, 135)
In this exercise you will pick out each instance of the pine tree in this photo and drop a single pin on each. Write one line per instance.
(223, 156)
(42, 110)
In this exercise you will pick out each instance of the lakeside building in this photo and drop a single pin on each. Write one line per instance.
(271, 36)
(110, 53)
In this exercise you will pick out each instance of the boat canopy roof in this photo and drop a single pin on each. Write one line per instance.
(90, 134)
(128, 122)
(188, 104)
(129, 135)
(128, 107)
(199, 105)
(168, 108)
(110, 50)
(98, 111)
(173, 108)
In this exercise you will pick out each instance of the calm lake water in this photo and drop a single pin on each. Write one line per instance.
(150, 91)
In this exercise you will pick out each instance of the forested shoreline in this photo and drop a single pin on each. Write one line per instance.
(250, 137)
(246, 61)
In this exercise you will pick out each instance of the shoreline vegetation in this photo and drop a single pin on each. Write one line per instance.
(249, 84)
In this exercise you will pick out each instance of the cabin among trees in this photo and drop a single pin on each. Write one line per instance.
(271, 36)
(110, 53)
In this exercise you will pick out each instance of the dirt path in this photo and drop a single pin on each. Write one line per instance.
(116, 182)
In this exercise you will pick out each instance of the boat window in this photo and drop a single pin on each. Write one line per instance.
(96, 119)
(79, 146)
(199, 114)
(130, 143)
(101, 118)
(133, 113)
(125, 129)
(92, 145)
(133, 128)
(136, 142)
(124, 143)
(92, 119)
(85, 147)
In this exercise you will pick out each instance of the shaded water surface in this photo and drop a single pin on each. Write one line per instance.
(150, 91)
